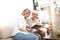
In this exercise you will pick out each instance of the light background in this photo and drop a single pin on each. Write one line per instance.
(11, 9)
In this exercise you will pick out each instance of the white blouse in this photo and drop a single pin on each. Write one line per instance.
(21, 23)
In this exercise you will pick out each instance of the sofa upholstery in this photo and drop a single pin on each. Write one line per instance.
(5, 32)
(6, 39)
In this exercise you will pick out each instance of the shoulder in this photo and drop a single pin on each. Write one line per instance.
(21, 17)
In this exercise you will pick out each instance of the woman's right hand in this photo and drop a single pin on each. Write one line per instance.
(28, 26)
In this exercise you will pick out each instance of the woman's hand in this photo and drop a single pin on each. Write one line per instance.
(28, 26)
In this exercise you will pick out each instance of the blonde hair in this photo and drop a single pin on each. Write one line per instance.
(25, 10)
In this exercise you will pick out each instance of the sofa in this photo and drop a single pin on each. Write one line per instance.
(5, 32)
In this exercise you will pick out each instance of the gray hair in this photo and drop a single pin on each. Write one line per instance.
(35, 12)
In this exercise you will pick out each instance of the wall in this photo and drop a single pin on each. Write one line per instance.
(11, 9)
(55, 17)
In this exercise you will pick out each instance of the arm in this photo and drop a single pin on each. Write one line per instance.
(22, 25)
(28, 23)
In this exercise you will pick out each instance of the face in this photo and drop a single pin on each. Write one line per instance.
(26, 14)
(34, 15)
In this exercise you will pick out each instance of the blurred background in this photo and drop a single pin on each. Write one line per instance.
(49, 11)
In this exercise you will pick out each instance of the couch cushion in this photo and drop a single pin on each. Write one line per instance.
(7, 39)
(6, 31)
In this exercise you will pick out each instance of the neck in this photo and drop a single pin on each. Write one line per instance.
(25, 18)
(33, 18)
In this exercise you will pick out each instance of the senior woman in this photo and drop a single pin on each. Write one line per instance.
(33, 20)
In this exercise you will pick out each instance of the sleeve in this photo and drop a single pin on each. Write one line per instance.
(21, 22)
(27, 21)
